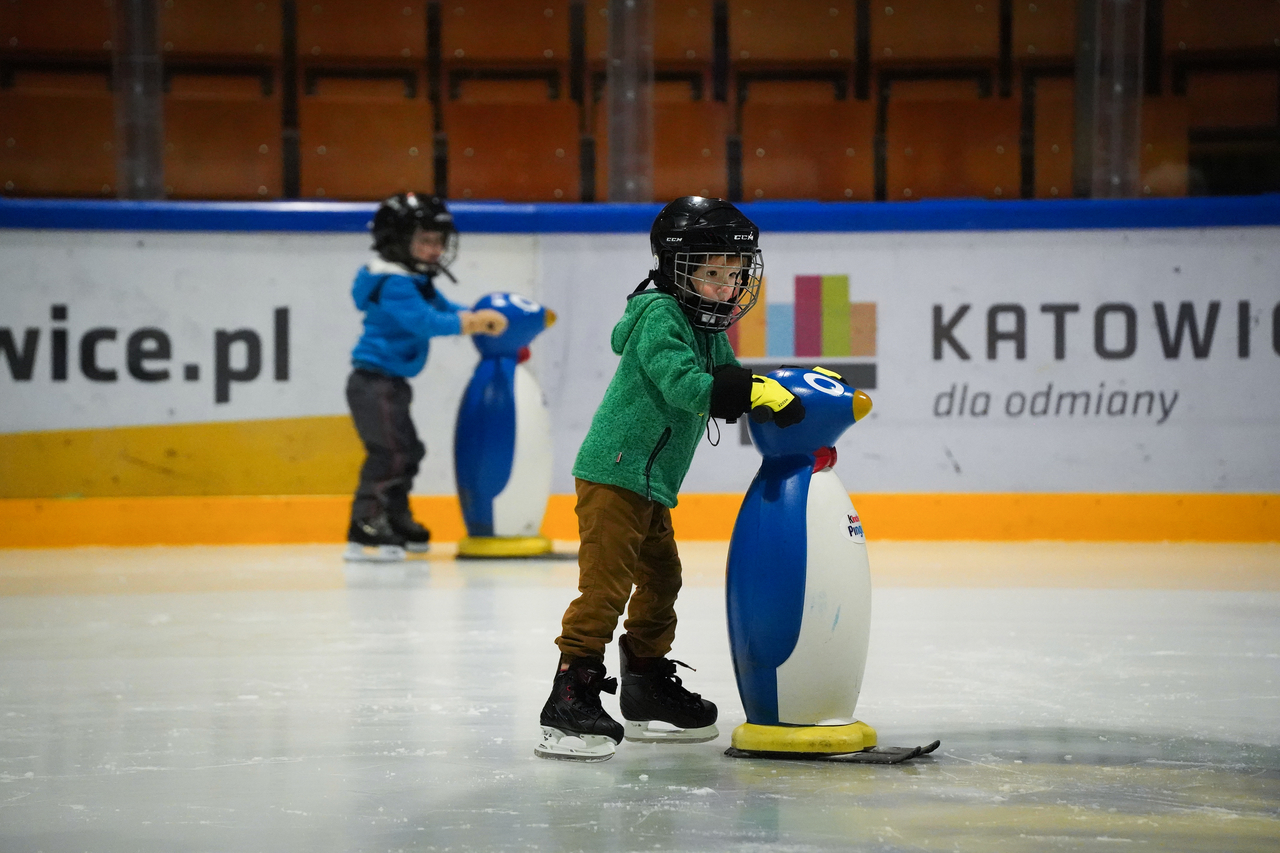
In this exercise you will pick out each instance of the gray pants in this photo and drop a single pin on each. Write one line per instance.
(380, 408)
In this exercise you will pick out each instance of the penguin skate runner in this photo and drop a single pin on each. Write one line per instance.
(656, 706)
(574, 725)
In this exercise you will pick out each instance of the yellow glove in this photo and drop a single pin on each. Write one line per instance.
(486, 321)
(770, 401)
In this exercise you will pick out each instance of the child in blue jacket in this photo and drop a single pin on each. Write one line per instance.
(415, 239)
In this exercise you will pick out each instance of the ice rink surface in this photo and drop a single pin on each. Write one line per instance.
(1088, 697)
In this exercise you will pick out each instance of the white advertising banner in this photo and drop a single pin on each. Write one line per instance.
(999, 361)
(1004, 361)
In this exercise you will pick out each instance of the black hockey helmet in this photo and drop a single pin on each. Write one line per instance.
(399, 218)
(699, 241)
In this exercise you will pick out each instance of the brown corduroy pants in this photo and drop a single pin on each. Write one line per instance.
(626, 541)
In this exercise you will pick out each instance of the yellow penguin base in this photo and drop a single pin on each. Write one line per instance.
(503, 546)
(817, 740)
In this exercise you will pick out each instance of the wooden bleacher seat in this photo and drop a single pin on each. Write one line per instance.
(514, 151)
(1044, 30)
(596, 24)
(504, 90)
(807, 150)
(56, 27)
(505, 32)
(362, 30)
(791, 32)
(797, 91)
(953, 148)
(365, 139)
(682, 32)
(222, 137)
(221, 28)
(1165, 146)
(934, 30)
(690, 141)
(489, 84)
(1054, 136)
(57, 135)
(690, 149)
(1192, 26)
(937, 89)
(1233, 99)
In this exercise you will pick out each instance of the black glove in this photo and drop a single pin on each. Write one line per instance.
(730, 392)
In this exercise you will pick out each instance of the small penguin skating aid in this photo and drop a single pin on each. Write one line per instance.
(502, 439)
(798, 589)
(655, 704)
(575, 727)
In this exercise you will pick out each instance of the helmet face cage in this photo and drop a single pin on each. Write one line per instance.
(717, 288)
(447, 254)
(400, 218)
(706, 255)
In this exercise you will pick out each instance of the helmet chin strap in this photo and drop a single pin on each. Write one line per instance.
(715, 319)
(642, 286)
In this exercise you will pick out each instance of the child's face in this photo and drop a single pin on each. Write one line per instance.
(426, 246)
(719, 278)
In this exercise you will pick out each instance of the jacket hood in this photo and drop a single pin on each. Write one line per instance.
(637, 304)
(371, 275)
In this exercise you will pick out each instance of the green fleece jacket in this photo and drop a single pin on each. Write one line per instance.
(654, 412)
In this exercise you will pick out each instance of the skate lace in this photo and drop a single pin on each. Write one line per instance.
(586, 691)
(670, 683)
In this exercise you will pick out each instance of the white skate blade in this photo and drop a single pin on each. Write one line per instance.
(417, 547)
(565, 746)
(357, 553)
(656, 731)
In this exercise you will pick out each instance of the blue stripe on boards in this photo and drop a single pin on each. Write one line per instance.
(774, 216)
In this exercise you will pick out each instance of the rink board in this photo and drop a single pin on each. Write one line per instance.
(1057, 369)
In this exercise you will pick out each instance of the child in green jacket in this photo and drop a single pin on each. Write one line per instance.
(677, 370)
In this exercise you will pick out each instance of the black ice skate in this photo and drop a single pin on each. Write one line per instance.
(656, 706)
(574, 725)
(372, 540)
(417, 539)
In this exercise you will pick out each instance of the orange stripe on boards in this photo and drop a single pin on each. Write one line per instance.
(1073, 517)
(33, 523)
(1011, 517)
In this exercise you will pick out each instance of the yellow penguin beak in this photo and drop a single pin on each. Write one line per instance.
(861, 405)
(551, 319)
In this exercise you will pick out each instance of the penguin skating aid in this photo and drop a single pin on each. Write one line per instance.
(502, 439)
(798, 589)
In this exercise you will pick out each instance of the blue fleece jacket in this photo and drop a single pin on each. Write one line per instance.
(402, 313)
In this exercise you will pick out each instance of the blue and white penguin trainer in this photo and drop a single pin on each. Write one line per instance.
(798, 589)
(502, 439)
